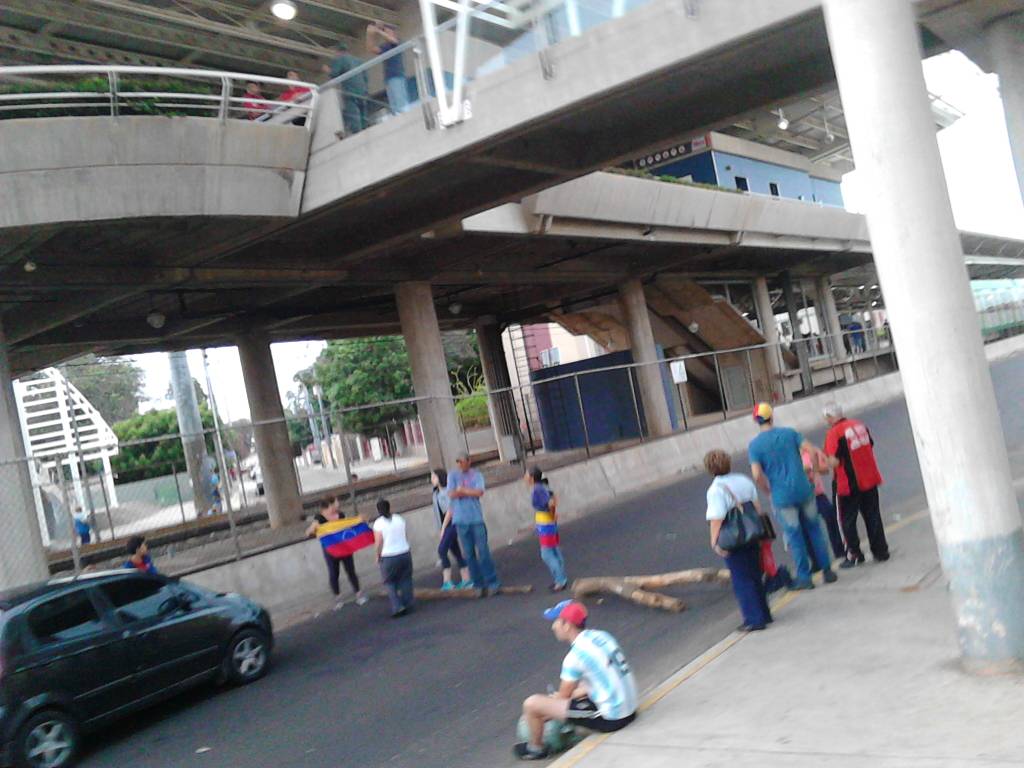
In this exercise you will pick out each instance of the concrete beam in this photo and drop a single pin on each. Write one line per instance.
(284, 504)
(429, 373)
(648, 372)
(22, 558)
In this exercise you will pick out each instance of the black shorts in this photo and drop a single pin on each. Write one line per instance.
(583, 712)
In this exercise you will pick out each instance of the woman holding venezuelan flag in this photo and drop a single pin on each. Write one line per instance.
(337, 552)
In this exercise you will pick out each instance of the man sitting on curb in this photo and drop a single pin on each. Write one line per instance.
(597, 688)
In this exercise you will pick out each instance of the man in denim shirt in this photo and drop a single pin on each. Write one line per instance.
(465, 487)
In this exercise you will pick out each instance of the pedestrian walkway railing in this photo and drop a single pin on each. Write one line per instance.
(216, 510)
(432, 72)
(113, 91)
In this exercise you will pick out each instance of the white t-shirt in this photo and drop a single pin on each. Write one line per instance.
(596, 658)
(719, 500)
(393, 533)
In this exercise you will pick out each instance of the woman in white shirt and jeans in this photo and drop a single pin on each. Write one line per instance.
(394, 558)
(727, 490)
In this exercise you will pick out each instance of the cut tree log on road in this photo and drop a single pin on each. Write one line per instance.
(428, 593)
(636, 588)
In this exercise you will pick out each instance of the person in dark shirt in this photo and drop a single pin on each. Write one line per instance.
(138, 555)
(330, 510)
(354, 90)
(381, 38)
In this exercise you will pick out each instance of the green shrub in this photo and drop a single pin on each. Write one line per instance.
(472, 411)
(100, 86)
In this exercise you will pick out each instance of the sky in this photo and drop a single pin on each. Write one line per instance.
(979, 173)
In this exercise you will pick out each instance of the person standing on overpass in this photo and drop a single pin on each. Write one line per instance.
(851, 453)
(778, 468)
(465, 487)
(354, 91)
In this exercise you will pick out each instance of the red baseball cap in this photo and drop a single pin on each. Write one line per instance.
(568, 610)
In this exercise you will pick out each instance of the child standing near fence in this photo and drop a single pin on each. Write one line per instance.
(545, 516)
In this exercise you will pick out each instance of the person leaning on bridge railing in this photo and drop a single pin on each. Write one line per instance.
(354, 90)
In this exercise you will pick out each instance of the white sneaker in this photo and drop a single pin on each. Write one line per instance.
(362, 600)
(339, 604)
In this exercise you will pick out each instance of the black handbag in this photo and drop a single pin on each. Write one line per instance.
(742, 526)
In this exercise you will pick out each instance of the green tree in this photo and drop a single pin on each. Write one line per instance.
(161, 448)
(357, 372)
(113, 385)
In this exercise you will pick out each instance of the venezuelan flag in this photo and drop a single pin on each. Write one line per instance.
(547, 529)
(340, 538)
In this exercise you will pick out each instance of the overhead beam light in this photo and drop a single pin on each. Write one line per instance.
(783, 122)
(284, 9)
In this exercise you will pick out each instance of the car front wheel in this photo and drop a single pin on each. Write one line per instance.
(48, 739)
(248, 656)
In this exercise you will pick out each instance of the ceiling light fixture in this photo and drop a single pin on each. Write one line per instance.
(829, 136)
(29, 265)
(156, 319)
(455, 307)
(284, 9)
(783, 122)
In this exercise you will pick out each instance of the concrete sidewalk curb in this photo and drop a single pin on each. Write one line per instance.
(719, 649)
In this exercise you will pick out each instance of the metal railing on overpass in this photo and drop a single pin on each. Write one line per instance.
(482, 37)
(96, 90)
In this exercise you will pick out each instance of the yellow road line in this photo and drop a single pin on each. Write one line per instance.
(589, 744)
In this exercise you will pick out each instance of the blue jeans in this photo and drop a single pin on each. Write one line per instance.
(398, 94)
(473, 538)
(552, 557)
(797, 522)
(748, 585)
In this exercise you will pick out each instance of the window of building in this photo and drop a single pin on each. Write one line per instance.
(741, 184)
(550, 357)
(773, 188)
(67, 617)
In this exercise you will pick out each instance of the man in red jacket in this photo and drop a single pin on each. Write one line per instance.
(850, 449)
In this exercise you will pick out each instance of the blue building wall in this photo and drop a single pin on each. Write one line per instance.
(607, 400)
(722, 169)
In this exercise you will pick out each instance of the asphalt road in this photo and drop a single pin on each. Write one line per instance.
(443, 686)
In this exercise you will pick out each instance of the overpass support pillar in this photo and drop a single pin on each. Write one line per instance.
(190, 425)
(1006, 47)
(22, 558)
(799, 345)
(833, 328)
(270, 431)
(500, 405)
(921, 270)
(429, 373)
(773, 354)
(648, 371)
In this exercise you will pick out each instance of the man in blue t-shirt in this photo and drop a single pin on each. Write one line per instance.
(465, 487)
(778, 468)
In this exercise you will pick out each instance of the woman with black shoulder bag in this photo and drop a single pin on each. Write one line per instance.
(737, 528)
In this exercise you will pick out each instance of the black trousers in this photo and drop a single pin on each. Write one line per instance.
(333, 572)
(865, 503)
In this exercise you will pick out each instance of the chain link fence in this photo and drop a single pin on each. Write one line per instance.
(211, 507)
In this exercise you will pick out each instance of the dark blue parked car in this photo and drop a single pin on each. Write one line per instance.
(78, 653)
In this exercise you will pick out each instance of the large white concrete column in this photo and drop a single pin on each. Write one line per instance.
(22, 558)
(500, 406)
(946, 377)
(429, 373)
(828, 314)
(773, 354)
(190, 425)
(281, 487)
(1006, 48)
(641, 342)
